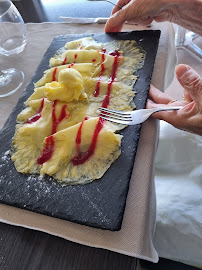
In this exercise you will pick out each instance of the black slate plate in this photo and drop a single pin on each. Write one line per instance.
(101, 203)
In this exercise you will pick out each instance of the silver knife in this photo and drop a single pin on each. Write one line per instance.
(100, 20)
(84, 20)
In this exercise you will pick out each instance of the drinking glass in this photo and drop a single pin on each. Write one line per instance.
(13, 39)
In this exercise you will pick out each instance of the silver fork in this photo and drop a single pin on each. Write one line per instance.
(108, 2)
(133, 117)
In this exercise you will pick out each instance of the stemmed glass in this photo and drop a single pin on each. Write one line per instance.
(13, 39)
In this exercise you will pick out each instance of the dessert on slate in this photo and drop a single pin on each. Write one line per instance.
(59, 133)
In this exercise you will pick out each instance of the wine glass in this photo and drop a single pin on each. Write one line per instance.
(13, 39)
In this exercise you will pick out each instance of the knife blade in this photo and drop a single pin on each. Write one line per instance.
(84, 20)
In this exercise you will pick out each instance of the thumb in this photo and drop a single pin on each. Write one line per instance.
(190, 81)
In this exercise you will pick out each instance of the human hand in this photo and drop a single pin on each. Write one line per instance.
(188, 118)
(184, 13)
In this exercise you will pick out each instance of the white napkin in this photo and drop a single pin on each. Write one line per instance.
(178, 180)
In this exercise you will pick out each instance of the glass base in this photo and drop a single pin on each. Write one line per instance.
(10, 81)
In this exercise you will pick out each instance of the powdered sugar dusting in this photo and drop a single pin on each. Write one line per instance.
(6, 156)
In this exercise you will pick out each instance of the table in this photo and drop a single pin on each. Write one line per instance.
(27, 249)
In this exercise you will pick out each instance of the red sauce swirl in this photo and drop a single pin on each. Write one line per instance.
(36, 117)
(49, 142)
(47, 151)
(54, 74)
(82, 157)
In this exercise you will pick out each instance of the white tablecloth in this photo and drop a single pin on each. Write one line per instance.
(136, 236)
(178, 181)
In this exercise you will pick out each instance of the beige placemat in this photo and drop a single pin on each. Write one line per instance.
(135, 237)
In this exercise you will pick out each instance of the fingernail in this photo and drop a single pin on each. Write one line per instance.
(181, 70)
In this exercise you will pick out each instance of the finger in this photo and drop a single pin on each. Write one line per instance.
(159, 97)
(110, 27)
(188, 110)
(150, 104)
(111, 23)
(187, 96)
(176, 118)
(188, 118)
(145, 21)
(117, 20)
(191, 82)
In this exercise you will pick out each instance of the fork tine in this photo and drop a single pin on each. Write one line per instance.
(116, 120)
(117, 116)
(105, 110)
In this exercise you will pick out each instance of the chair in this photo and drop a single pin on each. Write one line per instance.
(184, 39)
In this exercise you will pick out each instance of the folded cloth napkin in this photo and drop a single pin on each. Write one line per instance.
(135, 237)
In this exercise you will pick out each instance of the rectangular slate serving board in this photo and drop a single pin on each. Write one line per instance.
(99, 204)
